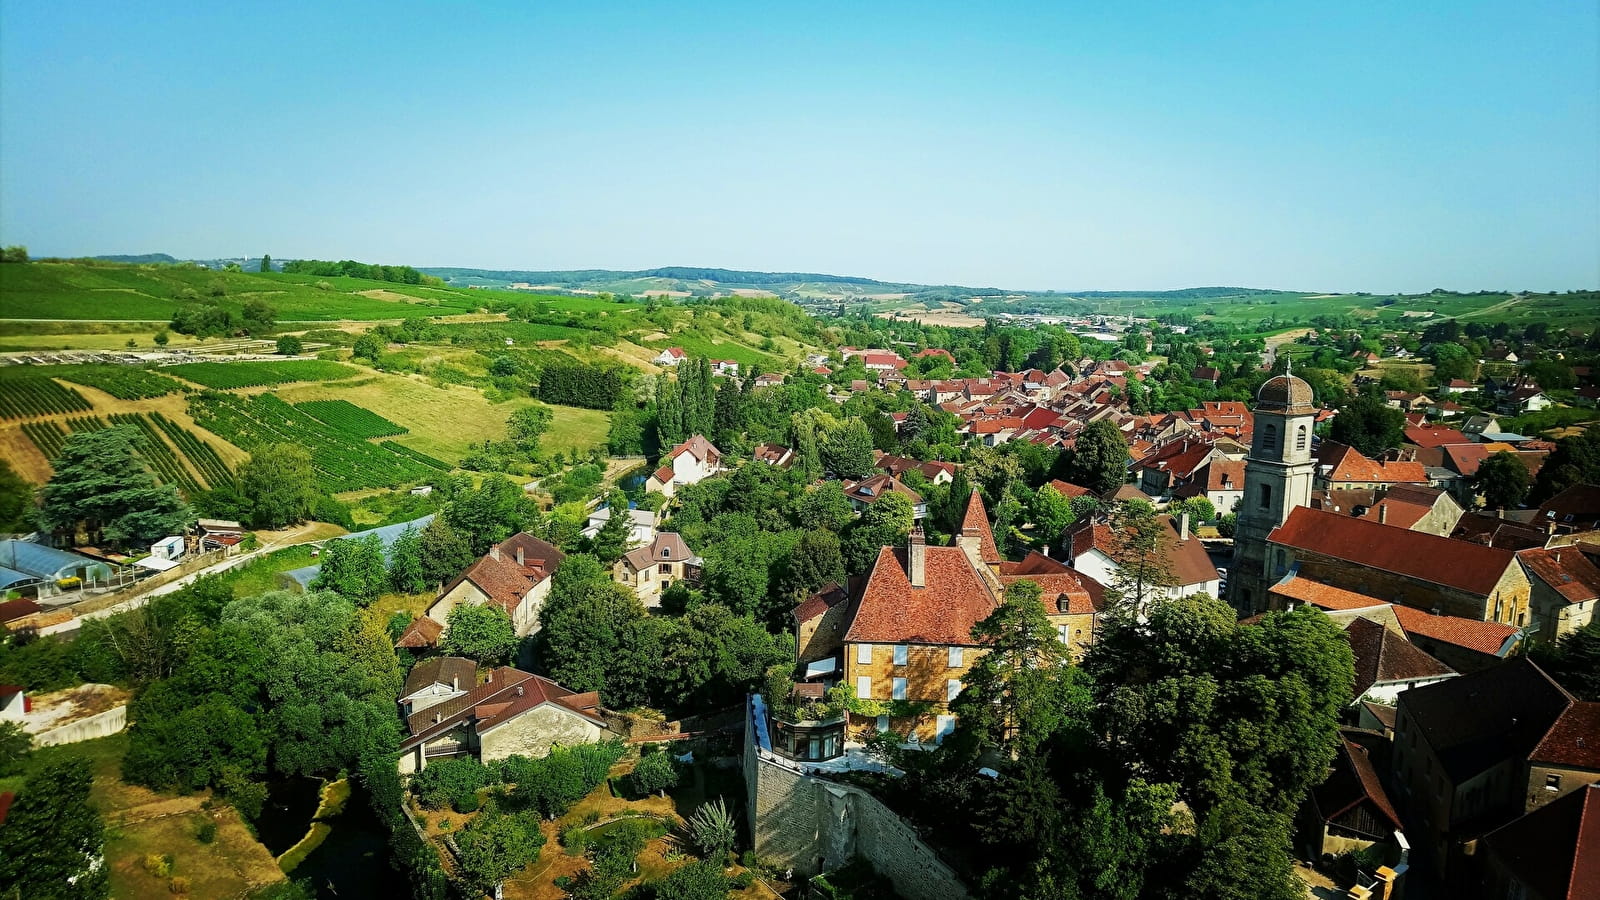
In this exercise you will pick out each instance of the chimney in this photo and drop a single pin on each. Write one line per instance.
(455, 682)
(1183, 527)
(1383, 514)
(917, 558)
(494, 553)
(519, 554)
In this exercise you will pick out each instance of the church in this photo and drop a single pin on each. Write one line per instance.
(1277, 478)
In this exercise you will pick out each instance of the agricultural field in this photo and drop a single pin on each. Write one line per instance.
(234, 375)
(342, 462)
(26, 395)
(121, 382)
(180, 458)
(350, 418)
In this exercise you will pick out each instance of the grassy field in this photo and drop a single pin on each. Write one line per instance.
(142, 823)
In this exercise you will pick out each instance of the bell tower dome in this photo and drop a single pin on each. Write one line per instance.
(1277, 478)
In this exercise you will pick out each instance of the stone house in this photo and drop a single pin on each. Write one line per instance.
(514, 576)
(653, 568)
(1411, 568)
(1426, 509)
(1348, 811)
(1477, 751)
(1387, 664)
(1342, 467)
(867, 491)
(511, 713)
(1566, 590)
(1093, 551)
(435, 680)
(691, 462)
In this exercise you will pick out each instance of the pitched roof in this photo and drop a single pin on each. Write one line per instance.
(698, 447)
(441, 670)
(1574, 739)
(1385, 657)
(1492, 638)
(1352, 782)
(1338, 463)
(1414, 554)
(1567, 571)
(1465, 458)
(1069, 490)
(1185, 560)
(869, 489)
(1060, 588)
(1433, 435)
(891, 611)
(668, 546)
(506, 693)
(1580, 501)
(1322, 596)
(976, 522)
(1555, 850)
(1476, 721)
(828, 597)
(421, 634)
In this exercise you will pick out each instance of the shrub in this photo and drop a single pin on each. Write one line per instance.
(453, 782)
(207, 832)
(655, 772)
(158, 864)
(178, 885)
(574, 839)
(713, 829)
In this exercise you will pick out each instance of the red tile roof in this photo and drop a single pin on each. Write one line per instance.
(1485, 637)
(1323, 596)
(1574, 740)
(891, 611)
(830, 596)
(1061, 589)
(976, 522)
(1567, 571)
(1465, 458)
(1414, 554)
(1555, 850)
(1341, 463)
(506, 693)
(698, 447)
(1384, 657)
(1434, 435)
(1069, 490)
(421, 634)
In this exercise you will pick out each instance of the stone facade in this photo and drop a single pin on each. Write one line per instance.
(927, 672)
(1542, 789)
(1277, 478)
(533, 734)
(814, 825)
(1506, 603)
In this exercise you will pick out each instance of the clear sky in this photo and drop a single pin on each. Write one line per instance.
(1116, 145)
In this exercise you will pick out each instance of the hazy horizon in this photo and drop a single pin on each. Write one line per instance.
(1031, 147)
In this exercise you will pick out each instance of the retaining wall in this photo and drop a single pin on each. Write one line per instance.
(98, 725)
(815, 825)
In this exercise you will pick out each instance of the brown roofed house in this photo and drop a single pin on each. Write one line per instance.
(510, 713)
(1552, 853)
(653, 568)
(514, 577)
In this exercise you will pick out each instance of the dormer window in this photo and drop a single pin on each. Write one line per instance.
(666, 552)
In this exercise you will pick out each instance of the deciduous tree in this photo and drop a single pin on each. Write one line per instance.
(483, 633)
(54, 838)
(280, 485)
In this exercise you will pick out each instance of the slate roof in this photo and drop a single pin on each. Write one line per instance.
(1384, 657)
(1555, 850)
(1425, 557)
(891, 611)
(1476, 721)
(441, 670)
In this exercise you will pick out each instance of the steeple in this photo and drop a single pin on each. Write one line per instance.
(1277, 478)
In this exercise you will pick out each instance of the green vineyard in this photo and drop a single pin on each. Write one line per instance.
(342, 462)
(122, 382)
(23, 397)
(177, 467)
(350, 418)
(229, 375)
(419, 456)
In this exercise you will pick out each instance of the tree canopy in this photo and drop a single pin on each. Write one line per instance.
(101, 485)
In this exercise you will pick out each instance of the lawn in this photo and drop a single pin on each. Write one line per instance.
(577, 429)
(141, 823)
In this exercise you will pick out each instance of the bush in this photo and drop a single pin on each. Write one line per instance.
(655, 772)
(452, 782)
(207, 832)
(158, 864)
(574, 839)
(178, 885)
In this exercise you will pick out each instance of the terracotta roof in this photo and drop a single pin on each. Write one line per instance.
(1398, 513)
(501, 580)
(1352, 782)
(1567, 571)
(1180, 458)
(505, 694)
(1060, 588)
(1477, 721)
(976, 522)
(663, 474)
(1433, 435)
(1555, 850)
(1384, 657)
(1414, 554)
(1185, 560)
(441, 670)
(1492, 638)
(1574, 739)
(421, 634)
(668, 546)
(820, 602)
(1225, 475)
(698, 447)
(771, 453)
(1342, 463)
(1322, 596)
(16, 609)
(1069, 490)
(891, 611)
(869, 489)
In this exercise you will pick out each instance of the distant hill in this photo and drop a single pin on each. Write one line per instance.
(139, 258)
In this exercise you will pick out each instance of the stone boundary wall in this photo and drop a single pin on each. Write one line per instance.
(98, 725)
(815, 825)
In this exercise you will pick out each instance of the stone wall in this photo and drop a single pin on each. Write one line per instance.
(534, 732)
(98, 725)
(815, 825)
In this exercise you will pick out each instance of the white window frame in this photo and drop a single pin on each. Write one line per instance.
(956, 657)
(864, 654)
(1061, 632)
(898, 689)
(864, 687)
(901, 654)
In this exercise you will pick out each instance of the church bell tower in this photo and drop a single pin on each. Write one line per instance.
(1277, 478)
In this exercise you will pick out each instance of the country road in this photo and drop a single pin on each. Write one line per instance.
(1269, 356)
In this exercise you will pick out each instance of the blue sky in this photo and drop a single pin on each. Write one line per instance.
(1329, 146)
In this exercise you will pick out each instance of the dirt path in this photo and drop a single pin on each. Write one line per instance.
(1269, 356)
